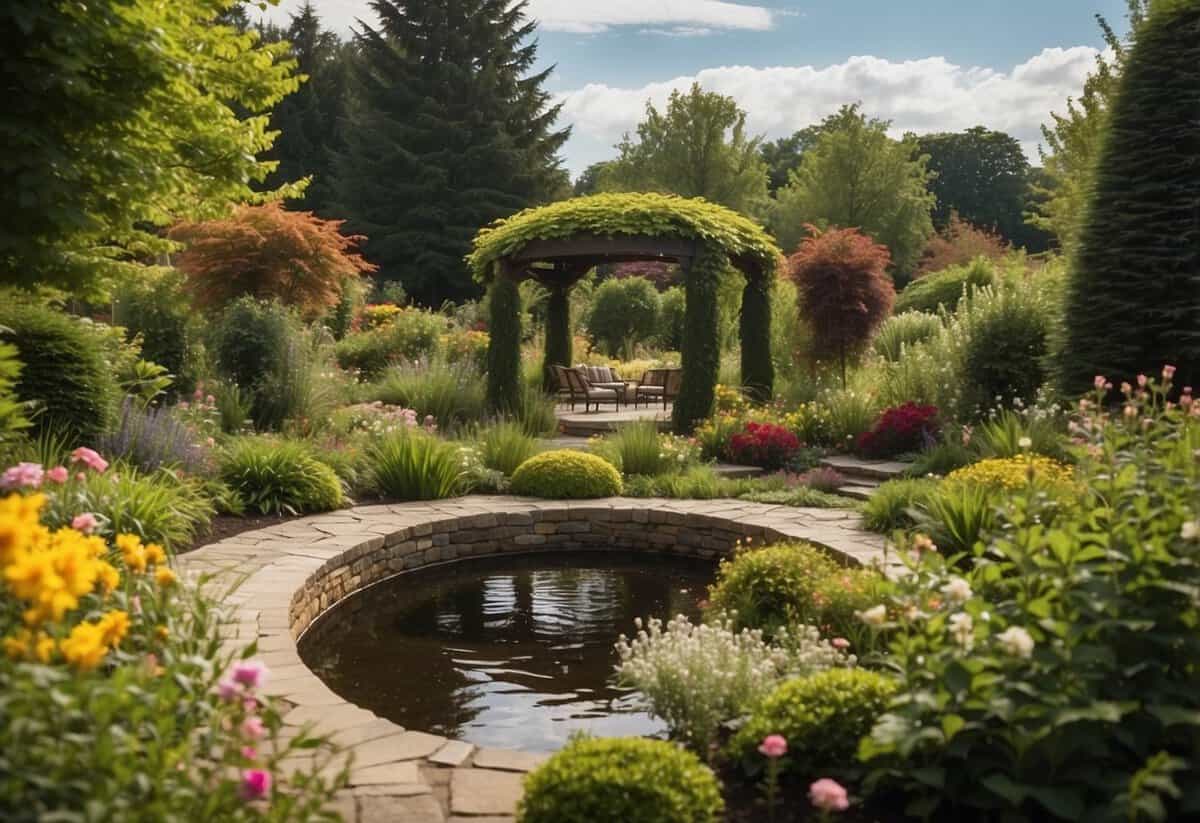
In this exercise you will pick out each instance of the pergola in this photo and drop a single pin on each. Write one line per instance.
(557, 245)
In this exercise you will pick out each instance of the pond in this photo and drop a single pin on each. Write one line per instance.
(512, 652)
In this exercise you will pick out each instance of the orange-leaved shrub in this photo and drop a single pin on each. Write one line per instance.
(958, 244)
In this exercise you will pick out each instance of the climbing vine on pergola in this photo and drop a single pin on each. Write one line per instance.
(558, 244)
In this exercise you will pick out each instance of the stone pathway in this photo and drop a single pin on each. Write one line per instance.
(281, 578)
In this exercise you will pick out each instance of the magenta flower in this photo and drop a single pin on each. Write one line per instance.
(1168, 372)
(249, 752)
(227, 690)
(85, 523)
(828, 795)
(253, 728)
(256, 784)
(1142, 380)
(250, 673)
(90, 458)
(58, 474)
(773, 746)
(22, 476)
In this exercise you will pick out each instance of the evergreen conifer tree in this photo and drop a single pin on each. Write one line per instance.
(1133, 296)
(449, 131)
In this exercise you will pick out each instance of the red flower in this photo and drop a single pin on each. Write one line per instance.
(900, 429)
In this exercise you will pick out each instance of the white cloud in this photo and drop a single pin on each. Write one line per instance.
(931, 94)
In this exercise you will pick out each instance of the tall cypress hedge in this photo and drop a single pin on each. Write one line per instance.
(1133, 297)
(504, 352)
(701, 347)
(558, 333)
(758, 370)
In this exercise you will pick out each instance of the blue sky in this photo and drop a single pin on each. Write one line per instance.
(928, 65)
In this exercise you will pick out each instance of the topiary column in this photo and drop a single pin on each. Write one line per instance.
(758, 370)
(1132, 300)
(558, 333)
(701, 346)
(504, 350)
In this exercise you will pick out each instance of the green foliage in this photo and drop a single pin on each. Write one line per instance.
(792, 584)
(410, 464)
(128, 116)
(942, 459)
(905, 330)
(505, 445)
(671, 312)
(637, 448)
(849, 413)
(504, 379)
(537, 411)
(1132, 298)
(1002, 434)
(893, 505)
(758, 366)
(155, 310)
(693, 483)
(272, 476)
(701, 348)
(411, 335)
(697, 148)
(822, 717)
(633, 780)
(251, 342)
(656, 215)
(624, 313)
(566, 475)
(64, 372)
(12, 412)
(957, 515)
(857, 176)
(1077, 666)
(452, 394)
(946, 287)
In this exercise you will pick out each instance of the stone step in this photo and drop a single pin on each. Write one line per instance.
(737, 472)
(853, 467)
(857, 492)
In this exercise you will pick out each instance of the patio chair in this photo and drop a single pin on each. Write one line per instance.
(658, 384)
(578, 388)
(604, 377)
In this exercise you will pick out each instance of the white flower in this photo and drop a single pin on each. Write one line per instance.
(1016, 641)
(1190, 530)
(957, 590)
(1025, 443)
(874, 616)
(962, 628)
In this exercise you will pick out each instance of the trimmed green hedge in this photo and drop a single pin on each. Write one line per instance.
(632, 780)
(565, 474)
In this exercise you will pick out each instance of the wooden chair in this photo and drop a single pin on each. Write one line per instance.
(578, 388)
(658, 384)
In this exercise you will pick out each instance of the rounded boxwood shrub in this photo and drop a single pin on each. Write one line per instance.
(822, 716)
(628, 779)
(792, 583)
(567, 475)
(279, 477)
(63, 372)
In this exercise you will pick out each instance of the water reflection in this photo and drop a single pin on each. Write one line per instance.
(515, 653)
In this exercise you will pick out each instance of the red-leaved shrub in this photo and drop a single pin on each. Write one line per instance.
(845, 291)
(900, 429)
(763, 444)
(958, 244)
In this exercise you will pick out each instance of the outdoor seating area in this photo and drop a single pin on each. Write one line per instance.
(598, 385)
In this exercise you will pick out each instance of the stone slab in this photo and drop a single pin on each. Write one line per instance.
(484, 791)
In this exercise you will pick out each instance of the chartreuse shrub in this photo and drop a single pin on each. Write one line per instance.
(120, 702)
(412, 464)
(64, 375)
(564, 474)
(1055, 678)
(793, 583)
(945, 288)
(1133, 301)
(633, 780)
(273, 476)
(822, 717)
(13, 421)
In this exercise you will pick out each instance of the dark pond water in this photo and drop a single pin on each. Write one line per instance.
(516, 653)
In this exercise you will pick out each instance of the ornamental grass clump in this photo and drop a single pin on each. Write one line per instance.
(413, 464)
(504, 445)
(279, 477)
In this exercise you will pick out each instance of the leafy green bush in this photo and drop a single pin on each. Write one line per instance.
(957, 515)
(410, 464)
(628, 779)
(566, 475)
(505, 445)
(156, 310)
(409, 336)
(945, 288)
(793, 583)
(451, 394)
(848, 414)
(13, 421)
(63, 370)
(903, 331)
(671, 308)
(624, 313)
(822, 717)
(942, 458)
(279, 477)
(634, 448)
(892, 506)
(1056, 678)
(1002, 435)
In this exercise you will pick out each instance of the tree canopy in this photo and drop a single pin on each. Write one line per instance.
(122, 116)
(698, 147)
(449, 131)
(858, 177)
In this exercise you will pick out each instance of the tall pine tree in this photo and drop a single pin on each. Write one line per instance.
(449, 131)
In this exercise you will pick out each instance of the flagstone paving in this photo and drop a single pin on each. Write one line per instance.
(275, 581)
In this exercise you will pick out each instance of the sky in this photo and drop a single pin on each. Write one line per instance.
(926, 65)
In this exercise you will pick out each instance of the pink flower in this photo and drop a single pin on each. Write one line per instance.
(1142, 380)
(90, 458)
(227, 690)
(85, 523)
(22, 476)
(253, 728)
(840, 643)
(1098, 381)
(773, 746)
(80, 476)
(1168, 372)
(58, 475)
(250, 673)
(828, 795)
(256, 784)
(249, 752)
(198, 393)
(210, 400)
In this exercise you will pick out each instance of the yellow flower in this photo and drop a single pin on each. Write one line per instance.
(162, 632)
(109, 577)
(84, 648)
(1014, 472)
(164, 577)
(155, 554)
(132, 552)
(113, 627)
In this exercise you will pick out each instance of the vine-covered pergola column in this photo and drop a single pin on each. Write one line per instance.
(758, 370)
(504, 351)
(558, 332)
